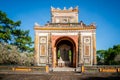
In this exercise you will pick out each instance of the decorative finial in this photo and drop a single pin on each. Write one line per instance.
(93, 24)
(52, 8)
(76, 7)
(81, 23)
(70, 8)
(36, 24)
(58, 8)
(64, 8)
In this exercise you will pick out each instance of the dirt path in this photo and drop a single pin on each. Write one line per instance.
(61, 76)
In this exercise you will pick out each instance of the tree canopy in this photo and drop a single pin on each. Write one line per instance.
(16, 46)
(11, 33)
(110, 56)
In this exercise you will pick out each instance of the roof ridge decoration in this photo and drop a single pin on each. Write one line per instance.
(64, 9)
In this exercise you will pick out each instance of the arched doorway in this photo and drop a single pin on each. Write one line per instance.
(65, 52)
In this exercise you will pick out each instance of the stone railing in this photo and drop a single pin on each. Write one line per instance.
(68, 25)
(64, 25)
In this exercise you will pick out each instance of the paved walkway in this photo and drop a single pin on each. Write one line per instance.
(59, 76)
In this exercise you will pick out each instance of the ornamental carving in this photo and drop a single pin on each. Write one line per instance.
(42, 39)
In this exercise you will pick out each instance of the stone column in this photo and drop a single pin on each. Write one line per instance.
(36, 54)
(54, 57)
(94, 49)
(79, 49)
(49, 50)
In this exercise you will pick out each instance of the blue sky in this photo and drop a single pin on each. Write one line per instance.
(105, 13)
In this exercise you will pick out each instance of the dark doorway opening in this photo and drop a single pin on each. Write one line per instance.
(64, 53)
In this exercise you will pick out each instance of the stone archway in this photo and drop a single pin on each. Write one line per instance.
(65, 52)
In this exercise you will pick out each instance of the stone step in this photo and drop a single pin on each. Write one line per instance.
(63, 69)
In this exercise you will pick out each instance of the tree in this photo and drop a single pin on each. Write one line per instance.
(110, 56)
(13, 55)
(6, 28)
(11, 33)
(117, 52)
(3, 53)
(10, 55)
(100, 56)
(23, 40)
(14, 42)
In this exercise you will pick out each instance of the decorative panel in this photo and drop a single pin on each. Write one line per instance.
(42, 49)
(43, 60)
(43, 39)
(43, 45)
(87, 61)
(86, 40)
(87, 50)
(87, 45)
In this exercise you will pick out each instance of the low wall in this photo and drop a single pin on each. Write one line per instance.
(102, 68)
(23, 68)
(111, 68)
(41, 69)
